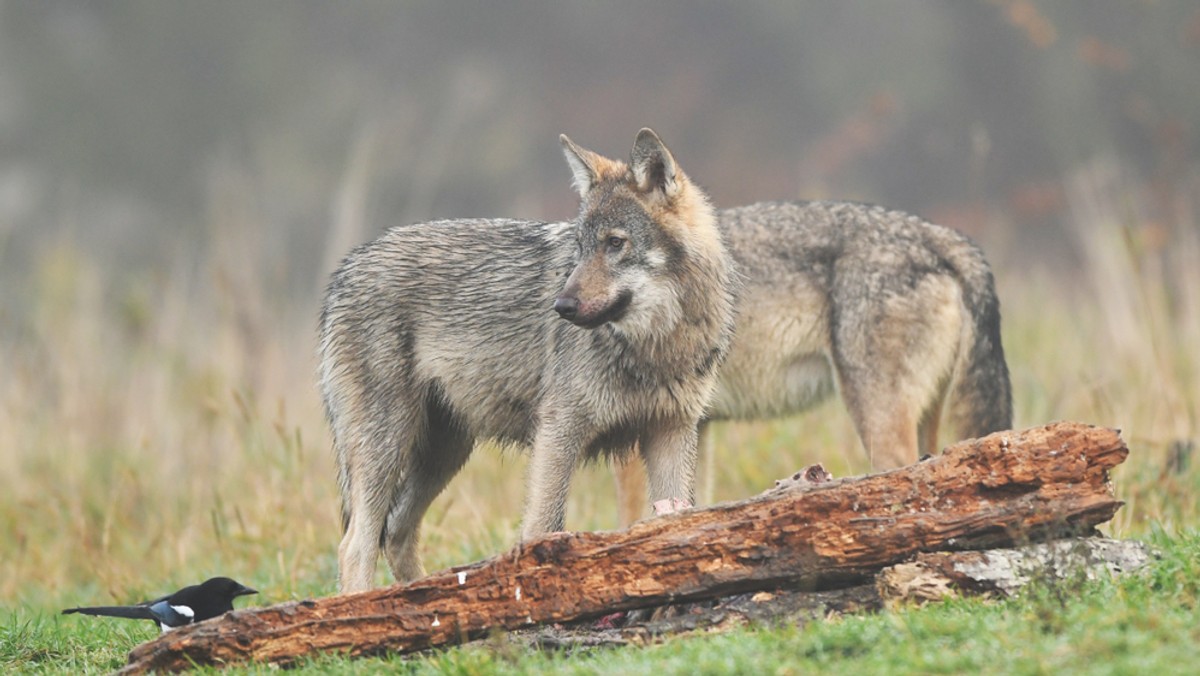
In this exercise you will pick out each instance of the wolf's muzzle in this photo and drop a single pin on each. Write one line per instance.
(586, 316)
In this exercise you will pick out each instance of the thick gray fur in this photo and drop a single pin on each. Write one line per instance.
(895, 313)
(891, 310)
(437, 335)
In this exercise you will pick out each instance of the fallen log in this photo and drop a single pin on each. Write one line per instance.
(1004, 489)
(932, 576)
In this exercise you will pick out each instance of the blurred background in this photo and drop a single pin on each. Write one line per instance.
(178, 179)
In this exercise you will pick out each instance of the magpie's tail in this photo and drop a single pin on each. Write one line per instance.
(132, 612)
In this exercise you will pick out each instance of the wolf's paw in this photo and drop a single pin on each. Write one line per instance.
(670, 506)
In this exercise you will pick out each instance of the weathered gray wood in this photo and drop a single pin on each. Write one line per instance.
(1005, 571)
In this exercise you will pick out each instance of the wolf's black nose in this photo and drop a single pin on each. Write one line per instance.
(566, 307)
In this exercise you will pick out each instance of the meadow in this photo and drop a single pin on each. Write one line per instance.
(162, 427)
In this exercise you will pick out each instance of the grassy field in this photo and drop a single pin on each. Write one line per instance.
(158, 429)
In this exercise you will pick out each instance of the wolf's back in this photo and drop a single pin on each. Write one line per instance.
(463, 303)
(452, 312)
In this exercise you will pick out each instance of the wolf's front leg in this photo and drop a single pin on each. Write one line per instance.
(630, 475)
(669, 448)
(556, 450)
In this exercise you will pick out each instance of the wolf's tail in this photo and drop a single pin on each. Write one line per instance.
(981, 400)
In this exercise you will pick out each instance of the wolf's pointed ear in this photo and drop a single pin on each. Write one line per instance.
(653, 166)
(583, 165)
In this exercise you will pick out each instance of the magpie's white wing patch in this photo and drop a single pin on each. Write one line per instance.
(170, 616)
(184, 615)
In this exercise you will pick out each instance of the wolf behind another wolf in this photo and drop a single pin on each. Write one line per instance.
(436, 335)
(895, 313)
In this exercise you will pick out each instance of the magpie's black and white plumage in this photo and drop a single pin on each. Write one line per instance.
(196, 603)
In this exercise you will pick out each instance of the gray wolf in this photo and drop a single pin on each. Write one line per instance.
(895, 313)
(440, 334)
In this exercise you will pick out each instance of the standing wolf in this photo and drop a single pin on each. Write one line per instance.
(891, 310)
(436, 335)
(898, 311)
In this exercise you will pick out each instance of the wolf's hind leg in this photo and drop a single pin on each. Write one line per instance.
(883, 417)
(894, 355)
(436, 457)
(927, 432)
(889, 433)
(373, 468)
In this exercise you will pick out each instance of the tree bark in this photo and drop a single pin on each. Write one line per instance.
(1004, 489)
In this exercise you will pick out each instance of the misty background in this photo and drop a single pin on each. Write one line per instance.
(178, 179)
(148, 139)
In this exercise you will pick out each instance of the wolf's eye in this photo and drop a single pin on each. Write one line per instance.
(615, 243)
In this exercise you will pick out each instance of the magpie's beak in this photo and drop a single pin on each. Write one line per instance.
(243, 590)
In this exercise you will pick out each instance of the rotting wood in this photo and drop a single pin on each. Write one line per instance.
(1004, 489)
(931, 576)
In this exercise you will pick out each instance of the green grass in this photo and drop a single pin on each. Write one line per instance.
(156, 430)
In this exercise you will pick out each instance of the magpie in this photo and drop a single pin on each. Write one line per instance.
(194, 603)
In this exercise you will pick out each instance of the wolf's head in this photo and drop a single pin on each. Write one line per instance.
(642, 226)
